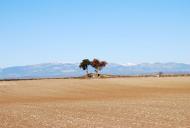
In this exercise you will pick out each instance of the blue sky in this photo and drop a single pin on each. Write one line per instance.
(123, 31)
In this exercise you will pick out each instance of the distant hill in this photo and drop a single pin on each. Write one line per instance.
(72, 70)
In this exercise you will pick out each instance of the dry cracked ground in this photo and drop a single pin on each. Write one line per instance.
(96, 103)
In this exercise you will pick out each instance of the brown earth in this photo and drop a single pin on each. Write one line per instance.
(96, 103)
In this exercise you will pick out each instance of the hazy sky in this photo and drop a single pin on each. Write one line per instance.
(123, 31)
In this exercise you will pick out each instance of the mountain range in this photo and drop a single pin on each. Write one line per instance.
(48, 70)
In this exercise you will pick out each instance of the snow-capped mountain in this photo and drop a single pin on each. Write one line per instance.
(72, 70)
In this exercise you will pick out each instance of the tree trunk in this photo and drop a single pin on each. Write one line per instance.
(97, 73)
(87, 72)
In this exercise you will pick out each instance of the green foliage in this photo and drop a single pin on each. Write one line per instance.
(84, 64)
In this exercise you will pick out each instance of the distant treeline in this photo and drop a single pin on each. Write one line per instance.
(102, 76)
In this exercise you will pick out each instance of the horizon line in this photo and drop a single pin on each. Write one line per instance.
(61, 62)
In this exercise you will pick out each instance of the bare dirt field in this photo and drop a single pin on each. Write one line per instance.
(96, 103)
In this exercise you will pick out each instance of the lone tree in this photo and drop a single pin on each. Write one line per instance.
(84, 65)
(98, 65)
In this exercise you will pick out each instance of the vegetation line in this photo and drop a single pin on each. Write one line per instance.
(103, 76)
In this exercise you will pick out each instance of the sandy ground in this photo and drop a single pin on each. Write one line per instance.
(96, 103)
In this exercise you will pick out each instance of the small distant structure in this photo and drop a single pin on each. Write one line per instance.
(92, 75)
(159, 74)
